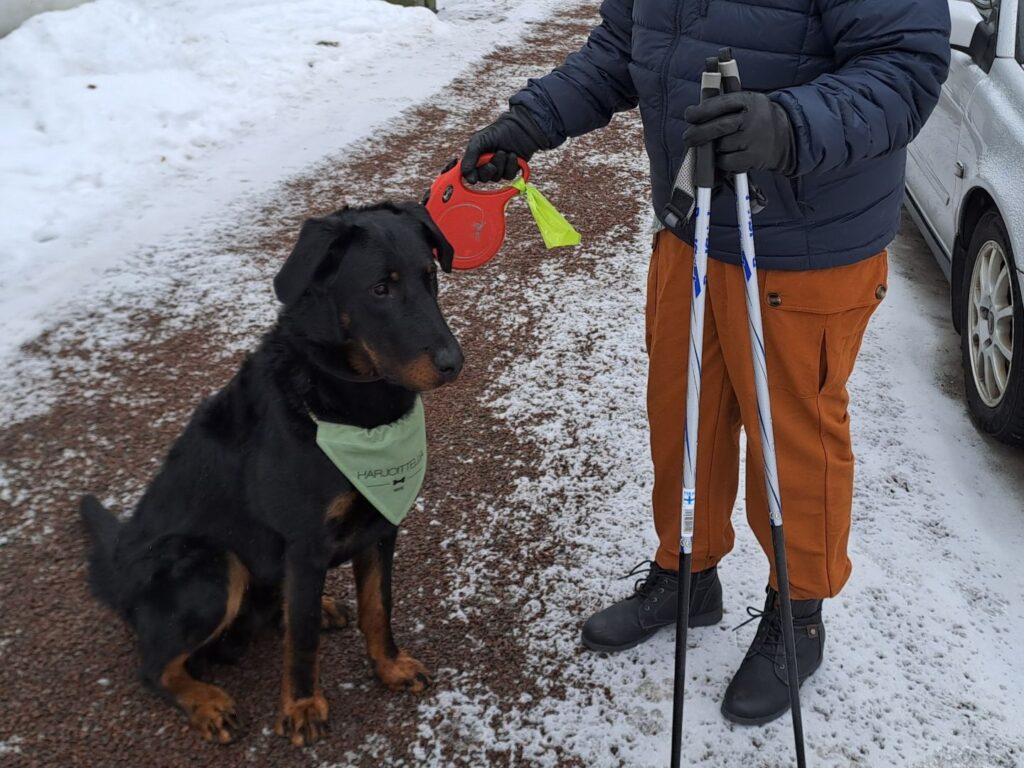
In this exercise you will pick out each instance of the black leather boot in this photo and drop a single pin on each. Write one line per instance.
(652, 606)
(759, 691)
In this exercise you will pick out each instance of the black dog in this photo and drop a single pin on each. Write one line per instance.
(247, 513)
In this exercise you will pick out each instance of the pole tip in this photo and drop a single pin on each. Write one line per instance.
(725, 54)
(711, 64)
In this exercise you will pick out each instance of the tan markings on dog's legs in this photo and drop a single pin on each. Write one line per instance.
(238, 583)
(332, 615)
(340, 506)
(208, 708)
(395, 668)
(304, 721)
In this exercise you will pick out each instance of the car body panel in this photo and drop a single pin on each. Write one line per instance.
(977, 131)
(992, 145)
(932, 157)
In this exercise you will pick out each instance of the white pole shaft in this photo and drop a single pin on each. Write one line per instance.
(697, 299)
(753, 292)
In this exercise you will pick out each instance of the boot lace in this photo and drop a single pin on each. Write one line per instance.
(644, 585)
(768, 641)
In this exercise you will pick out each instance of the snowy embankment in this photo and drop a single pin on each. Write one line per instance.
(14, 12)
(124, 123)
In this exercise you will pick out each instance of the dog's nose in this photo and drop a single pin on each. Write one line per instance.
(448, 362)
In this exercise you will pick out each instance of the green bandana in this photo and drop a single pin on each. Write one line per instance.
(386, 464)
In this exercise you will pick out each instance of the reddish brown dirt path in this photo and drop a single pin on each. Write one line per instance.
(69, 691)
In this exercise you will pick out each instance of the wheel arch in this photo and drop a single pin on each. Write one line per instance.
(976, 203)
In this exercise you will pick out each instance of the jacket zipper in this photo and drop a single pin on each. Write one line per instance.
(664, 92)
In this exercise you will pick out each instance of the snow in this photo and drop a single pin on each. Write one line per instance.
(200, 105)
(124, 122)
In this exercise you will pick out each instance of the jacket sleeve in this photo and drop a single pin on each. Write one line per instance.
(892, 57)
(592, 85)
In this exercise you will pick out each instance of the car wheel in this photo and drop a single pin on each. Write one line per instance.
(992, 335)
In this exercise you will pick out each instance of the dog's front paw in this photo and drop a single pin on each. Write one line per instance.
(303, 721)
(403, 673)
(333, 615)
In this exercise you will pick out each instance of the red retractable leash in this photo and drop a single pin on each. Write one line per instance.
(472, 220)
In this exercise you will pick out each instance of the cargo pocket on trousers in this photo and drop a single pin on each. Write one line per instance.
(815, 320)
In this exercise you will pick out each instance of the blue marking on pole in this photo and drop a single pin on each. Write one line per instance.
(760, 341)
(689, 497)
(746, 266)
(696, 281)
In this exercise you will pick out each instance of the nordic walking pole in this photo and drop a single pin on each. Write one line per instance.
(731, 83)
(704, 176)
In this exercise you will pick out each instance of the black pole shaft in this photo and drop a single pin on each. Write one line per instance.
(679, 686)
(782, 576)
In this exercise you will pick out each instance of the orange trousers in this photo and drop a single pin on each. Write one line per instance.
(814, 322)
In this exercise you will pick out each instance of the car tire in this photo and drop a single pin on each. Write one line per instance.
(992, 333)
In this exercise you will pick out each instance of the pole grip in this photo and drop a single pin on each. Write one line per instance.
(704, 171)
(730, 71)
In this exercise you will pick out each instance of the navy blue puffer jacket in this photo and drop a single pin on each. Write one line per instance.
(858, 78)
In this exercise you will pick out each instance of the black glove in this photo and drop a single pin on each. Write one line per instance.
(511, 136)
(753, 132)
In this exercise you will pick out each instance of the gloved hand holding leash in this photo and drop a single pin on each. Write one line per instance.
(753, 133)
(512, 136)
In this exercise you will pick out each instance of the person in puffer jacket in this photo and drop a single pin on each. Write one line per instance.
(835, 91)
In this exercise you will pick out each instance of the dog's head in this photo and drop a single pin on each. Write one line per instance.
(360, 287)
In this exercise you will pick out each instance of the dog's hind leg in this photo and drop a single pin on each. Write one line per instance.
(194, 597)
(396, 669)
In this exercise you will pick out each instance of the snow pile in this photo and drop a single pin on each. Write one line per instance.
(122, 122)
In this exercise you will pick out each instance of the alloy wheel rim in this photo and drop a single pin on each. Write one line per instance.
(990, 323)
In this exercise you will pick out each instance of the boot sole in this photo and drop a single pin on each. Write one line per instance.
(766, 718)
(700, 620)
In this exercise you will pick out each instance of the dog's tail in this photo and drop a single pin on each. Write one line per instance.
(102, 528)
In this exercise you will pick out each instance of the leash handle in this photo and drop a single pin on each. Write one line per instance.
(472, 220)
(506, 192)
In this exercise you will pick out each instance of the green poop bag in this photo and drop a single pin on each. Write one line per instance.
(556, 231)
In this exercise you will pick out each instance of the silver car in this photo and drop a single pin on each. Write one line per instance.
(965, 191)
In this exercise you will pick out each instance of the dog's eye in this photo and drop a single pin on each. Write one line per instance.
(381, 289)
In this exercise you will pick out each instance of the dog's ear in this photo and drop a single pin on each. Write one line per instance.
(437, 240)
(309, 256)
